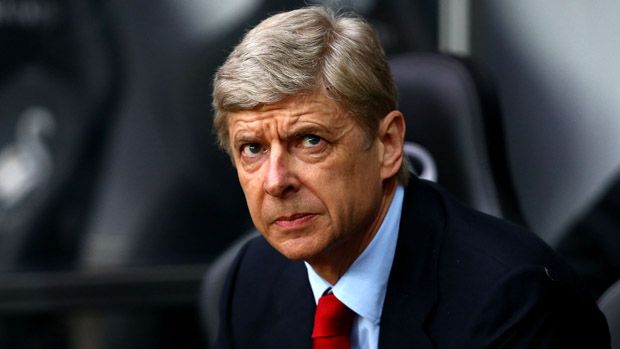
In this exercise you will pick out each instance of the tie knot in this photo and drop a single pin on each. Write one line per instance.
(332, 318)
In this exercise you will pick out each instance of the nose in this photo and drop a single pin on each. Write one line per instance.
(280, 179)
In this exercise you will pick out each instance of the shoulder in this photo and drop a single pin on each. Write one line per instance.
(490, 246)
(500, 284)
(479, 250)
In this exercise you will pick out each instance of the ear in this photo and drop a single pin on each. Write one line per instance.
(392, 137)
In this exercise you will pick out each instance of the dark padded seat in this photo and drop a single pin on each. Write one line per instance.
(453, 112)
(610, 306)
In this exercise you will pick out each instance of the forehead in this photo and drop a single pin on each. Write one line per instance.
(315, 108)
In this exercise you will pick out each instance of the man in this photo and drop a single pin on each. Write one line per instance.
(306, 108)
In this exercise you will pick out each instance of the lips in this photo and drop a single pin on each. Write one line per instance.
(297, 220)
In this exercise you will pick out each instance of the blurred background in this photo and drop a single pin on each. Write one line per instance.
(114, 197)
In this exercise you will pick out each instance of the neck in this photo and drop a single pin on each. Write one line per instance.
(336, 262)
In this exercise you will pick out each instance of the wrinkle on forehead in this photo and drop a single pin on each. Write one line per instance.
(282, 116)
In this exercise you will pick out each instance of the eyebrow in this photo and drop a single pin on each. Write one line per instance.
(245, 138)
(297, 130)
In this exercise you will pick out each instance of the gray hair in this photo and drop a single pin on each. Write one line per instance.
(304, 51)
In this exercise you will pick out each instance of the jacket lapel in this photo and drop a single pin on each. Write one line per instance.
(294, 309)
(412, 285)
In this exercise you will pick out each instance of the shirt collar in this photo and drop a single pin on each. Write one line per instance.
(370, 271)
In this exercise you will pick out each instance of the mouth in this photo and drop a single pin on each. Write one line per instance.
(294, 221)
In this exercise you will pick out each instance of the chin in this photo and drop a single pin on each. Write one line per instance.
(297, 249)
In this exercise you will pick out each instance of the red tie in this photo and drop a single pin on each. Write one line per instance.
(332, 324)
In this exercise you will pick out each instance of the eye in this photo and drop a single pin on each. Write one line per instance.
(310, 141)
(251, 150)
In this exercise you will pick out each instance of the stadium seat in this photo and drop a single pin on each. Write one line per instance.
(610, 306)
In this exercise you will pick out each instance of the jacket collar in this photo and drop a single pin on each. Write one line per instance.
(412, 286)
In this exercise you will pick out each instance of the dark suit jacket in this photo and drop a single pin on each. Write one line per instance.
(460, 279)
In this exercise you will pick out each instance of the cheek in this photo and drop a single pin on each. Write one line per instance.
(353, 185)
(251, 189)
(332, 186)
(352, 172)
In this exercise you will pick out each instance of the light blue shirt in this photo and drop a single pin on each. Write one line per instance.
(362, 287)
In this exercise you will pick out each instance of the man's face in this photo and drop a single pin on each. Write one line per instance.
(311, 177)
